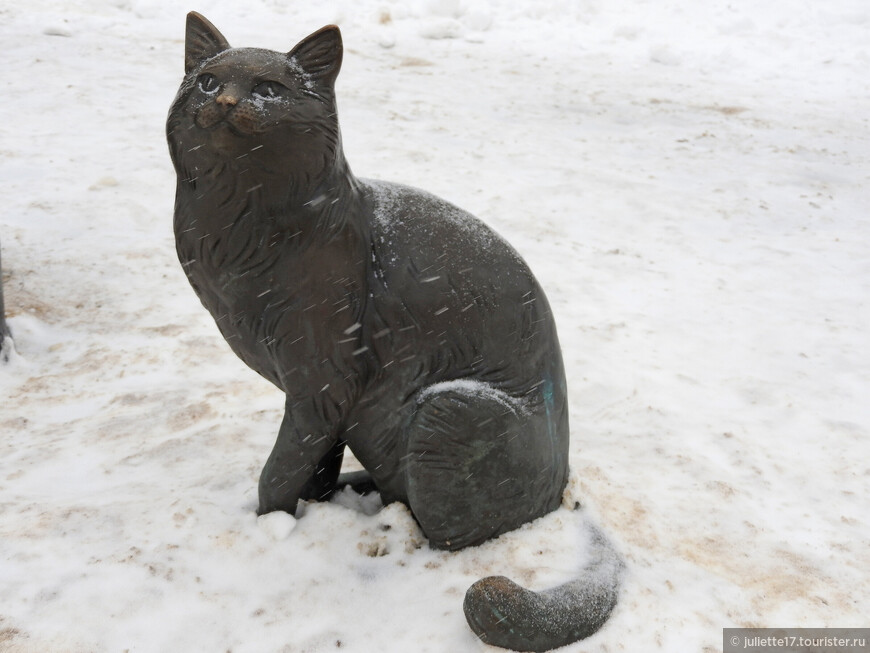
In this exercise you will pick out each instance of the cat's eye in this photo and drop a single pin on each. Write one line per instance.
(269, 90)
(208, 83)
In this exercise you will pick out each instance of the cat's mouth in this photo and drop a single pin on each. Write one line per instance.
(238, 123)
(226, 125)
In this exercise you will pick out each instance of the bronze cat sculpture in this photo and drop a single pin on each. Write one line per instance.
(395, 323)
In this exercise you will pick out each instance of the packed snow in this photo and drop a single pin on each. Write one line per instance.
(688, 181)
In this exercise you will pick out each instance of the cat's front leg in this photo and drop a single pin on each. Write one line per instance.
(325, 480)
(304, 462)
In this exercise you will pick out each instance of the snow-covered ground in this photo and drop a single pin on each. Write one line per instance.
(689, 181)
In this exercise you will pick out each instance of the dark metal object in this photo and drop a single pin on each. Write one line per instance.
(4, 328)
(395, 323)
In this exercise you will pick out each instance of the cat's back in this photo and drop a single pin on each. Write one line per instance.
(438, 269)
(421, 236)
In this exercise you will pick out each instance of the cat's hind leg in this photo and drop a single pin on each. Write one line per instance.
(479, 463)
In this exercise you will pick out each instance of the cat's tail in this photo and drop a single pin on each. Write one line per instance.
(502, 613)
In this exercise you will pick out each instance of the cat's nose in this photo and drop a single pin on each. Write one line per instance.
(227, 100)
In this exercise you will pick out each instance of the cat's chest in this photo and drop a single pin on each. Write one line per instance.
(283, 307)
(260, 278)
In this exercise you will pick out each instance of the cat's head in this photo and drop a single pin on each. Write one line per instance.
(276, 109)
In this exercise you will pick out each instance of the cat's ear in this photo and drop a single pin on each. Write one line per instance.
(202, 41)
(320, 54)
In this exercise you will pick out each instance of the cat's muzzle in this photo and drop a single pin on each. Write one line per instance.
(238, 118)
